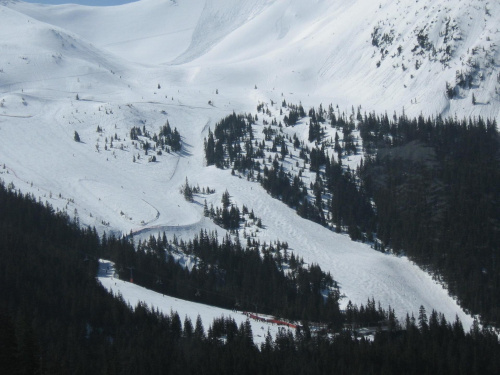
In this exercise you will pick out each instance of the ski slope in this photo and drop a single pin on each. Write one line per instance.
(134, 294)
(73, 68)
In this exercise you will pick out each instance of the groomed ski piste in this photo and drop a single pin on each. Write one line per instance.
(134, 294)
(70, 68)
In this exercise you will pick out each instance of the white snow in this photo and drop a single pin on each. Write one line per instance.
(113, 59)
(133, 294)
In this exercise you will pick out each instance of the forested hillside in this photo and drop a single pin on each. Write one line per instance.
(424, 187)
(57, 319)
(435, 184)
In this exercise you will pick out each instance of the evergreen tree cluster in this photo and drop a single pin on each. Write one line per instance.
(229, 216)
(264, 278)
(55, 318)
(169, 137)
(315, 125)
(435, 185)
(295, 113)
(188, 191)
(369, 316)
(225, 139)
(335, 199)
(166, 140)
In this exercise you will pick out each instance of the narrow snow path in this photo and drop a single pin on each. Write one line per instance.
(133, 294)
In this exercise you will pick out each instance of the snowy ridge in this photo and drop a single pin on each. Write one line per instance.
(72, 68)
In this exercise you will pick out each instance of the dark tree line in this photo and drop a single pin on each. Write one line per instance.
(435, 183)
(228, 275)
(55, 318)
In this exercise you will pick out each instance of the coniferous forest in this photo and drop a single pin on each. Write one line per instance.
(426, 187)
(435, 184)
(57, 319)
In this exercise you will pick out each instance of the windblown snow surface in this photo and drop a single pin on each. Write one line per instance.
(72, 68)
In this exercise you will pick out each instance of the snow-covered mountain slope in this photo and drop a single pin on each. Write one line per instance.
(46, 61)
(150, 31)
(383, 55)
(67, 69)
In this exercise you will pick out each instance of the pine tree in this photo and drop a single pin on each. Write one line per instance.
(188, 191)
(422, 318)
(199, 331)
(206, 212)
(210, 148)
(76, 137)
(188, 327)
(226, 200)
